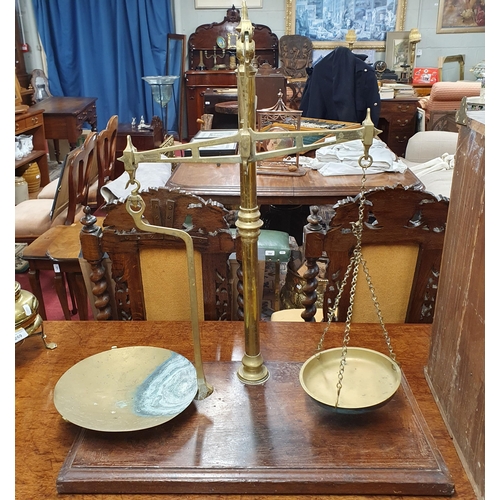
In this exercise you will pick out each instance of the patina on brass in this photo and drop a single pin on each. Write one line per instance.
(135, 207)
(28, 321)
(252, 370)
(126, 389)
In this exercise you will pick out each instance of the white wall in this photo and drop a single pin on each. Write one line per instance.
(421, 14)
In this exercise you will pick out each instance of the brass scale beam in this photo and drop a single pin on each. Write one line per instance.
(252, 369)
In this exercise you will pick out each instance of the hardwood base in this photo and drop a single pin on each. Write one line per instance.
(264, 439)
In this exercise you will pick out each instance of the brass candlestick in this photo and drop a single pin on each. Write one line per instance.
(350, 38)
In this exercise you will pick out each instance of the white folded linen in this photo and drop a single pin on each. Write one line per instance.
(436, 174)
(342, 159)
(149, 175)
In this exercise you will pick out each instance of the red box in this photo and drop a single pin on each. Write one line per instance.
(425, 75)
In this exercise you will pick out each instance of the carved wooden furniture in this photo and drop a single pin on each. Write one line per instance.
(31, 123)
(455, 368)
(64, 118)
(398, 122)
(37, 372)
(295, 57)
(144, 263)
(408, 226)
(142, 138)
(201, 46)
(34, 217)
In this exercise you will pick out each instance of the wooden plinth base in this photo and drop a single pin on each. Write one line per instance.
(265, 439)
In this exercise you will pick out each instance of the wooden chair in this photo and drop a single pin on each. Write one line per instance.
(34, 217)
(402, 243)
(101, 170)
(106, 154)
(149, 269)
(296, 55)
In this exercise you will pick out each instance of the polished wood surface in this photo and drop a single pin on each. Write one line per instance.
(64, 118)
(222, 183)
(43, 439)
(456, 366)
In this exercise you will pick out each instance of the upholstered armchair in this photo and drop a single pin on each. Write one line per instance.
(444, 100)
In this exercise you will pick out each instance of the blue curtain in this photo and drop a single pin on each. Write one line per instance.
(103, 48)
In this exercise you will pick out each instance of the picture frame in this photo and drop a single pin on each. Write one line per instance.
(458, 16)
(397, 50)
(327, 31)
(225, 4)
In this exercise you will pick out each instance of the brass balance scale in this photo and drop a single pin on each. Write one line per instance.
(345, 379)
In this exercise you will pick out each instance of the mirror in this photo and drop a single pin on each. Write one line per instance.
(175, 66)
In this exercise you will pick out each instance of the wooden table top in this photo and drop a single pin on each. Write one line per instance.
(64, 105)
(222, 183)
(43, 439)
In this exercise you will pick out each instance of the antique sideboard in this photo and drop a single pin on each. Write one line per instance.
(209, 72)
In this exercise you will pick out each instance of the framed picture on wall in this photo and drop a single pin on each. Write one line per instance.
(225, 4)
(327, 22)
(461, 16)
(397, 50)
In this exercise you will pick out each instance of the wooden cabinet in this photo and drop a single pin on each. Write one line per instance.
(197, 82)
(31, 123)
(456, 366)
(209, 72)
(398, 122)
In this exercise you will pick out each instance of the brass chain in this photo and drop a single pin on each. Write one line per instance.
(353, 266)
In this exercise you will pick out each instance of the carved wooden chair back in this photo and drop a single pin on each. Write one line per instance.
(149, 270)
(106, 152)
(296, 55)
(402, 243)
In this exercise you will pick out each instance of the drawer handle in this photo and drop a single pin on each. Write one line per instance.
(34, 120)
(403, 123)
(17, 126)
(403, 108)
(401, 139)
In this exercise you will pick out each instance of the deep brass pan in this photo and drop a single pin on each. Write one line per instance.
(126, 389)
(370, 379)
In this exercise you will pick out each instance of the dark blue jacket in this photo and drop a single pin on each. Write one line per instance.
(341, 87)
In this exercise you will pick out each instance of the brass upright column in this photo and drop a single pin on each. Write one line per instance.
(252, 370)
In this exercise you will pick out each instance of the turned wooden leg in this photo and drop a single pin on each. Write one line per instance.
(57, 151)
(60, 286)
(36, 289)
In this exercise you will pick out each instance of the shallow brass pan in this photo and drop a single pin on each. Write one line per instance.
(126, 389)
(369, 381)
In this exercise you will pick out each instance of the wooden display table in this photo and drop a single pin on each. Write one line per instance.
(281, 442)
(64, 118)
(222, 183)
